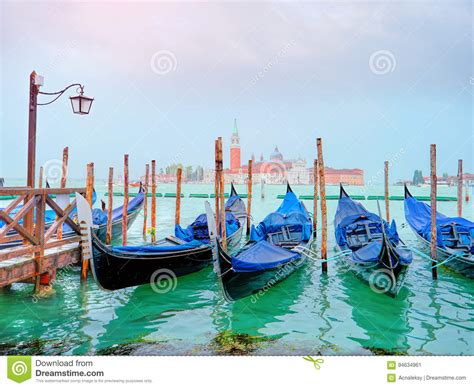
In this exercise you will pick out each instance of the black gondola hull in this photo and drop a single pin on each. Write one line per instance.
(238, 285)
(378, 276)
(116, 271)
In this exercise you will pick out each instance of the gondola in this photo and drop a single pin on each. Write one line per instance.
(117, 267)
(374, 252)
(274, 251)
(455, 235)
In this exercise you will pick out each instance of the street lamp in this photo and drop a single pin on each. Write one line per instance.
(80, 105)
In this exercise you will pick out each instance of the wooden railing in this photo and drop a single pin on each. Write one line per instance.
(25, 231)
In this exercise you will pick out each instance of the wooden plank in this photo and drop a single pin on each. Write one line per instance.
(12, 205)
(24, 268)
(63, 216)
(54, 243)
(14, 222)
(15, 191)
(17, 251)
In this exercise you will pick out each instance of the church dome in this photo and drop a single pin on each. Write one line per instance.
(276, 155)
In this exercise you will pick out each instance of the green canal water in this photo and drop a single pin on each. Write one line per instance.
(308, 313)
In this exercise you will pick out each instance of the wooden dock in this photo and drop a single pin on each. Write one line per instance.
(36, 249)
(23, 268)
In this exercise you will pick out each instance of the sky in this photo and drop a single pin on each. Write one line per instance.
(375, 80)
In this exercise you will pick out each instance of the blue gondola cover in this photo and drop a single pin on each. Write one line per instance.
(290, 213)
(351, 214)
(418, 215)
(199, 230)
(140, 249)
(261, 256)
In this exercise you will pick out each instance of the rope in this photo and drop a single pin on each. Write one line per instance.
(450, 258)
(336, 256)
(424, 255)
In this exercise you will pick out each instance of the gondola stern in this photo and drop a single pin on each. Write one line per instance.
(407, 192)
(222, 267)
(233, 191)
(342, 192)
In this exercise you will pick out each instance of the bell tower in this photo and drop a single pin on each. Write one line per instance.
(235, 149)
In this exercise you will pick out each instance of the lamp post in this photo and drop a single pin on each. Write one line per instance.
(80, 105)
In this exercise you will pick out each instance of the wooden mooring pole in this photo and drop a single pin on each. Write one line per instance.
(221, 197)
(434, 237)
(387, 202)
(262, 187)
(324, 221)
(315, 196)
(460, 181)
(64, 167)
(110, 194)
(217, 182)
(89, 194)
(249, 196)
(179, 174)
(39, 233)
(153, 200)
(63, 183)
(90, 183)
(125, 200)
(145, 203)
(40, 178)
